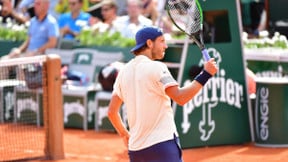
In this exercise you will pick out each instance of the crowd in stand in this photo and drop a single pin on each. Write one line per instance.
(51, 20)
(54, 20)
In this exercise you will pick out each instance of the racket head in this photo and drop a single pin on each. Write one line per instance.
(186, 15)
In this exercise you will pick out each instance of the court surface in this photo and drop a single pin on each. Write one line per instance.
(91, 146)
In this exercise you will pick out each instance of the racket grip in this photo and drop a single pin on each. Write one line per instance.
(205, 54)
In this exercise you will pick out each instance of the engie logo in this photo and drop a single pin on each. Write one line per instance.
(262, 107)
(217, 89)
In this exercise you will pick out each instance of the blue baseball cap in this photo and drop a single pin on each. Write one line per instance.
(145, 34)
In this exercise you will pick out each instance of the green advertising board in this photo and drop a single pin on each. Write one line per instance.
(270, 113)
(219, 113)
(6, 46)
(79, 108)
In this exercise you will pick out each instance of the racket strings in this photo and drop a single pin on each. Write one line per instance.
(186, 15)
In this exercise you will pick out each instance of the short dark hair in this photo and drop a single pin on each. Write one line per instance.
(136, 52)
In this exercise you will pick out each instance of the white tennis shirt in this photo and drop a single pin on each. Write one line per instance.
(141, 85)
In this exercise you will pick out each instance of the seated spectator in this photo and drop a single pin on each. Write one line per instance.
(71, 23)
(42, 33)
(109, 15)
(121, 5)
(7, 12)
(129, 24)
(109, 11)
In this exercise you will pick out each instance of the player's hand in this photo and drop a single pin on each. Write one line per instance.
(211, 66)
(126, 140)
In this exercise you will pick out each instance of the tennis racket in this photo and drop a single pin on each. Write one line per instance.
(187, 16)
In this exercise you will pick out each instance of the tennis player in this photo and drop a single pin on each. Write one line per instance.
(146, 87)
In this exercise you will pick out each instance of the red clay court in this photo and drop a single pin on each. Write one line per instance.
(91, 146)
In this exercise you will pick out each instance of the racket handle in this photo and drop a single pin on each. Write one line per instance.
(205, 54)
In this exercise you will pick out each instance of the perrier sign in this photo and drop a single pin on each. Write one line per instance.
(218, 114)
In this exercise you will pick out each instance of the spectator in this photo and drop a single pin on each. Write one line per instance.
(109, 11)
(42, 33)
(129, 24)
(109, 15)
(121, 5)
(71, 23)
(7, 11)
